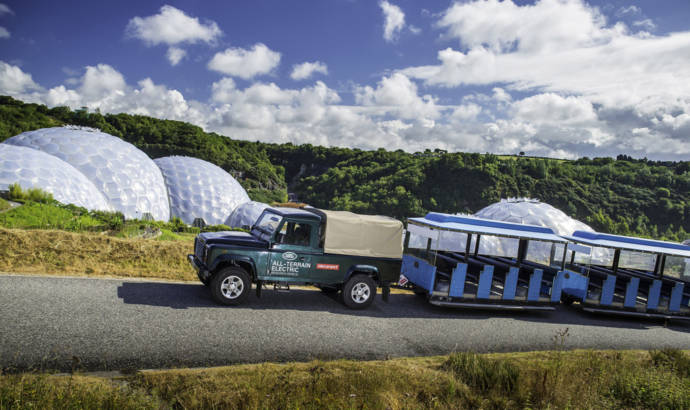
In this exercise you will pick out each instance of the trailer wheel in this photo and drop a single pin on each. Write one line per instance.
(230, 286)
(359, 292)
(567, 300)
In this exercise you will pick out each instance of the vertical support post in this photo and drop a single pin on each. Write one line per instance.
(406, 244)
(468, 246)
(616, 260)
(476, 245)
(565, 253)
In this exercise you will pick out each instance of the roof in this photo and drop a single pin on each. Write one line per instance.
(606, 240)
(481, 226)
(284, 211)
(348, 233)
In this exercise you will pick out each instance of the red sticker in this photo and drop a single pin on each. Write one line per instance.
(327, 266)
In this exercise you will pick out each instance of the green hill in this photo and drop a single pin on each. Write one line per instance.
(623, 195)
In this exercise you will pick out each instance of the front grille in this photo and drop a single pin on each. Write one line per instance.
(199, 248)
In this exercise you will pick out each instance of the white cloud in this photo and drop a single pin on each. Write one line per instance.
(414, 29)
(394, 20)
(102, 82)
(559, 46)
(172, 26)
(5, 9)
(646, 24)
(246, 64)
(307, 69)
(397, 95)
(4, 33)
(14, 81)
(630, 10)
(554, 109)
(175, 55)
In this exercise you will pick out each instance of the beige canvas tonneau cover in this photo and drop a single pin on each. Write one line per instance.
(348, 233)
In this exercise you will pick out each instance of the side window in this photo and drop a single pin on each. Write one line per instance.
(294, 233)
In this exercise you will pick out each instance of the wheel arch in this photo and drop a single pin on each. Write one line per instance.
(244, 262)
(369, 270)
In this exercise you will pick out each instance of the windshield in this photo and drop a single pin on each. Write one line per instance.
(268, 223)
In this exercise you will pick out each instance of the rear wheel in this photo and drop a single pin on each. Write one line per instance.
(359, 292)
(230, 286)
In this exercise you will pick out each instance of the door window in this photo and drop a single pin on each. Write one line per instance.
(294, 233)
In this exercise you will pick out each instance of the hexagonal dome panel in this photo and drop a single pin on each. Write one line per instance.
(128, 178)
(31, 168)
(199, 189)
(246, 214)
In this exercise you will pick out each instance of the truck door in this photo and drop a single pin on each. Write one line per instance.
(293, 251)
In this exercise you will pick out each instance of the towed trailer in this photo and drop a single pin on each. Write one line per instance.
(628, 276)
(470, 262)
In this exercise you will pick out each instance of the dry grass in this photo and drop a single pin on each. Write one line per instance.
(557, 379)
(92, 254)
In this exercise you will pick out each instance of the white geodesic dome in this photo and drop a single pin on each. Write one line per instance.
(200, 189)
(528, 212)
(127, 177)
(532, 212)
(31, 168)
(246, 214)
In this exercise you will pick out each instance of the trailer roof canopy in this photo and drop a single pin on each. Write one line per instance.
(348, 233)
(605, 240)
(481, 226)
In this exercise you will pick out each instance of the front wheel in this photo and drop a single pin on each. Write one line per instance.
(359, 292)
(230, 286)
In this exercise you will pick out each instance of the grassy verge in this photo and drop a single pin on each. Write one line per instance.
(68, 253)
(578, 379)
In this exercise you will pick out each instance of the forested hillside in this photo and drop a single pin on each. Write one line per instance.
(623, 195)
(247, 161)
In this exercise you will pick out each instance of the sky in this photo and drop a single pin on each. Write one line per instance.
(557, 78)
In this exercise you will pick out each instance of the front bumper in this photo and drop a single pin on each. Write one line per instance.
(201, 270)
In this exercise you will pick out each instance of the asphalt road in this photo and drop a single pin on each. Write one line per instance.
(105, 324)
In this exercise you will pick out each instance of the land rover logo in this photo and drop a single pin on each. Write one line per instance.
(289, 256)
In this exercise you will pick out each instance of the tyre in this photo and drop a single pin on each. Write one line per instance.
(359, 292)
(230, 286)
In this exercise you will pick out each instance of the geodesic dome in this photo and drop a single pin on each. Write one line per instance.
(127, 177)
(31, 168)
(199, 189)
(528, 212)
(246, 214)
(532, 212)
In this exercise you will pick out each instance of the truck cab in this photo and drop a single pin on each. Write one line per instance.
(333, 250)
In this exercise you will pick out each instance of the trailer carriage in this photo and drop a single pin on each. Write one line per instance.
(628, 276)
(464, 261)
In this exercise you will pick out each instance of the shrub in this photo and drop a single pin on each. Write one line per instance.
(16, 193)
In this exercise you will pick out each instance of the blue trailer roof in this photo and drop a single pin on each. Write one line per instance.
(606, 240)
(471, 224)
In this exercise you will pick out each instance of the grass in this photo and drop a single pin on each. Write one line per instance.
(93, 254)
(578, 379)
(4, 205)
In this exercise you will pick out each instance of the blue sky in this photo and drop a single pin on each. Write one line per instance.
(563, 78)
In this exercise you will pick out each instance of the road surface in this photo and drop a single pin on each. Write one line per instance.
(108, 324)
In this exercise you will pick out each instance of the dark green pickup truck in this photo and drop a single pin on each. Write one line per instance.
(333, 250)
